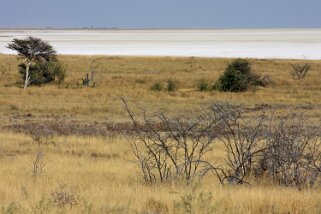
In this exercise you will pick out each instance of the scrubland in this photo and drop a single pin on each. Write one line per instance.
(45, 169)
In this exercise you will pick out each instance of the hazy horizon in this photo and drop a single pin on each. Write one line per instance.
(166, 14)
(156, 28)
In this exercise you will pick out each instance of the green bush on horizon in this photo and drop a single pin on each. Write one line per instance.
(237, 77)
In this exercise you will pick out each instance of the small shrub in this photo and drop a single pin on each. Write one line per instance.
(203, 85)
(157, 86)
(171, 85)
(299, 71)
(194, 202)
(89, 81)
(237, 77)
(63, 197)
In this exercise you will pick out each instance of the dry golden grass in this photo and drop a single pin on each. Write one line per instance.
(133, 76)
(101, 175)
(99, 172)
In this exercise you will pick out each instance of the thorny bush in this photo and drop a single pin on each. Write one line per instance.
(285, 149)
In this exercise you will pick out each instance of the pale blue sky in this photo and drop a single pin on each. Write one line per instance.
(161, 13)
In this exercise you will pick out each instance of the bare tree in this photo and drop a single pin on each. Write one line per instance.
(87, 80)
(293, 154)
(285, 149)
(93, 68)
(242, 138)
(171, 147)
(299, 71)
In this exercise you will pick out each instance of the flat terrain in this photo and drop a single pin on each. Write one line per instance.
(86, 158)
(252, 43)
(132, 78)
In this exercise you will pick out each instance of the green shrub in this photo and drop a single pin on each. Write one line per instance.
(237, 77)
(203, 85)
(44, 72)
(171, 85)
(157, 86)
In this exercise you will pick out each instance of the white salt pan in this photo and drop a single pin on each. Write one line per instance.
(266, 43)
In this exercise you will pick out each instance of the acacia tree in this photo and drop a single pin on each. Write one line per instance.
(32, 50)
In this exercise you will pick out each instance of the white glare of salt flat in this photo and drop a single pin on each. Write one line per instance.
(269, 43)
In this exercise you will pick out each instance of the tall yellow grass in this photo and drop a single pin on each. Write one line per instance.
(102, 175)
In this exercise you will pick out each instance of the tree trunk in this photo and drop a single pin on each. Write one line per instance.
(27, 79)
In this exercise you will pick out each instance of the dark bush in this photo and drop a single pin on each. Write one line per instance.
(237, 77)
(157, 86)
(44, 72)
(171, 85)
(203, 85)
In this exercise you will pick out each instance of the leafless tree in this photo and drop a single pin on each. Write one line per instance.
(171, 147)
(285, 149)
(293, 154)
(87, 80)
(242, 137)
(299, 71)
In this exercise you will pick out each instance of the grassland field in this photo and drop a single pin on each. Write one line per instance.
(97, 171)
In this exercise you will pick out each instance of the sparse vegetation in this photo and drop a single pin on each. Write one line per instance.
(90, 81)
(174, 148)
(299, 71)
(171, 85)
(157, 86)
(89, 167)
(203, 85)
